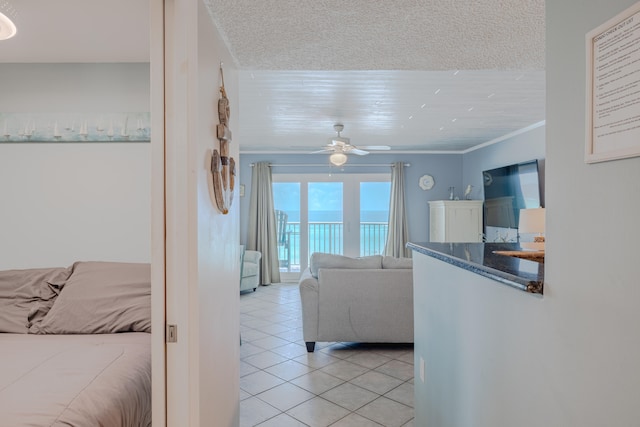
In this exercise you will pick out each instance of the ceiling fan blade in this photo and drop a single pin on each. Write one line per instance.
(376, 147)
(358, 151)
(325, 150)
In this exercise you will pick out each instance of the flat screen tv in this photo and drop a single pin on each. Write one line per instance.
(508, 189)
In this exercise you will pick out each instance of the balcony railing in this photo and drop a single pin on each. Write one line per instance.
(328, 237)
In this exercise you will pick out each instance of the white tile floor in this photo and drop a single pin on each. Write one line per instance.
(339, 385)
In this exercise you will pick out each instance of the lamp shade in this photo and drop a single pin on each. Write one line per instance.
(338, 159)
(531, 221)
(7, 27)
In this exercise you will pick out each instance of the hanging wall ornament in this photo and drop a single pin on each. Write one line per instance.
(217, 184)
(223, 167)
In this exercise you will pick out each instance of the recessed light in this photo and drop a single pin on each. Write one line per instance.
(455, 73)
(470, 109)
(437, 92)
(491, 96)
(453, 120)
(423, 105)
(410, 117)
(442, 128)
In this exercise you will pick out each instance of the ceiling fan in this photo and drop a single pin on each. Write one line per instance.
(340, 146)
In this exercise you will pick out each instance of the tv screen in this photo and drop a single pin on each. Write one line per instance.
(507, 190)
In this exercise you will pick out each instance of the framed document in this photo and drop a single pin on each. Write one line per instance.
(613, 88)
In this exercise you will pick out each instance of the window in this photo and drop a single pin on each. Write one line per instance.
(374, 216)
(343, 214)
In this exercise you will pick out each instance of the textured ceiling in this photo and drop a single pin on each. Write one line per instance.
(383, 35)
(418, 75)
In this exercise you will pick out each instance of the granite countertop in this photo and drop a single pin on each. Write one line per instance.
(480, 258)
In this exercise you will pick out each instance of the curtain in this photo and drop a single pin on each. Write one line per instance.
(261, 234)
(398, 233)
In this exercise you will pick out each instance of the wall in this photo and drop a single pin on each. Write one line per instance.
(484, 365)
(528, 145)
(218, 244)
(448, 170)
(570, 357)
(202, 244)
(67, 202)
(592, 227)
(445, 168)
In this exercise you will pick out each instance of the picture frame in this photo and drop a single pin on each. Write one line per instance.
(613, 88)
(127, 127)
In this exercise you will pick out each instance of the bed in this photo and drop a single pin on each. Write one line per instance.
(75, 346)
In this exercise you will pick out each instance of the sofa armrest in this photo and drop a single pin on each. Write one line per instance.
(252, 256)
(309, 297)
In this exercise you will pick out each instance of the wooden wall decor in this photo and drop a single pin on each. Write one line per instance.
(223, 167)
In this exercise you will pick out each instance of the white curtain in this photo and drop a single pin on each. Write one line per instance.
(261, 234)
(398, 233)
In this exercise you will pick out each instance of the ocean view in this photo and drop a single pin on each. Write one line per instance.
(326, 233)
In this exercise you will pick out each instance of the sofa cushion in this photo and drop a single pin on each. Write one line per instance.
(323, 260)
(393, 262)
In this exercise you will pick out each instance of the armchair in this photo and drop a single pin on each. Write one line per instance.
(250, 270)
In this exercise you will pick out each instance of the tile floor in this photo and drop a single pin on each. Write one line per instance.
(339, 385)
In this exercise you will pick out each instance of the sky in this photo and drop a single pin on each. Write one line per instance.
(328, 196)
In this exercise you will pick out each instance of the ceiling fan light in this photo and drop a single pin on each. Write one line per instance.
(7, 27)
(338, 159)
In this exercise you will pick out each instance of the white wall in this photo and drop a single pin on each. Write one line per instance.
(218, 241)
(570, 357)
(202, 244)
(67, 202)
(592, 236)
(487, 358)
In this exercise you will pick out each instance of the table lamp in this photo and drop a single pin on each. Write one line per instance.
(532, 221)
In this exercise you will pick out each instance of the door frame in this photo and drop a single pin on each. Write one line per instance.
(158, 248)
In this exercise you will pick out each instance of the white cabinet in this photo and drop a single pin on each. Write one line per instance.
(455, 221)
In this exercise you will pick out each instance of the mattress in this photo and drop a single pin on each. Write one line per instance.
(75, 380)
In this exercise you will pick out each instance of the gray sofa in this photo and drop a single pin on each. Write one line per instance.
(367, 299)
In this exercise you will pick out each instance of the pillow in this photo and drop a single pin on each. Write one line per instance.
(101, 298)
(393, 262)
(27, 295)
(322, 260)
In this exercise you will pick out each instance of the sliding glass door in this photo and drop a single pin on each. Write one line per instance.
(342, 214)
(374, 216)
(326, 216)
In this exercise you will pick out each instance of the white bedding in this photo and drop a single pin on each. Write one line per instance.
(75, 380)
